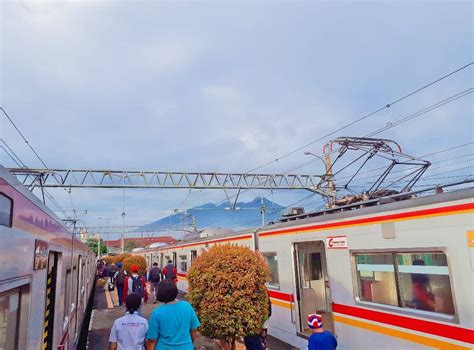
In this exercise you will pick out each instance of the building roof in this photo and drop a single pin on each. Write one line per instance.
(141, 242)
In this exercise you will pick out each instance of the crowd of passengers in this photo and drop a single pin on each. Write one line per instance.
(173, 324)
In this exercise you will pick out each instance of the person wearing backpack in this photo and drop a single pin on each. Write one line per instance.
(154, 277)
(119, 278)
(135, 284)
(170, 272)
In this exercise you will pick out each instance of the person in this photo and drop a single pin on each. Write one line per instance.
(259, 341)
(100, 269)
(119, 278)
(170, 272)
(173, 324)
(112, 271)
(135, 284)
(154, 277)
(320, 339)
(264, 332)
(253, 342)
(128, 332)
(423, 297)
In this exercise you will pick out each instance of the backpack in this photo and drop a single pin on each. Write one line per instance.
(170, 272)
(137, 286)
(155, 274)
(120, 279)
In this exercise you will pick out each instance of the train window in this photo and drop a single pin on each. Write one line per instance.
(183, 264)
(9, 318)
(424, 282)
(272, 261)
(316, 268)
(376, 277)
(194, 255)
(6, 205)
(67, 298)
(412, 280)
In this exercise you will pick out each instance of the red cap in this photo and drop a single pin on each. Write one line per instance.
(134, 268)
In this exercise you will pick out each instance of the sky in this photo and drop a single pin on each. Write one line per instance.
(226, 86)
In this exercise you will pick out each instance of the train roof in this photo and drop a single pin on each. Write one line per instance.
(390, 203)
(13, 181)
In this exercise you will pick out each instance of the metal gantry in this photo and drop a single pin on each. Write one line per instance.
(88, 178)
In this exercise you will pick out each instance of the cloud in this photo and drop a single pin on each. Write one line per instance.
(222, 87)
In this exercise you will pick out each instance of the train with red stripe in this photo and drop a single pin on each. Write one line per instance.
(389, 273)
(46, 275)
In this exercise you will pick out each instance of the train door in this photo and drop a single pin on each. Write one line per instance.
(79, 296)
(50, 301)
(175, 260)
(312, 284)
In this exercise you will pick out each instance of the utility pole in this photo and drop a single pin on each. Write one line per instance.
(98, 248)
(262, 210)
(122, 234)
(330, 179)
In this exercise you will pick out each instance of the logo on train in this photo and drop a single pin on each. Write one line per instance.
(336, 242)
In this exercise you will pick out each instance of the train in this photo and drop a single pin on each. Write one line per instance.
(389, 273)
(46, 273)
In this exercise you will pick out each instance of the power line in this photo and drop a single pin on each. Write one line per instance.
(423, 111)
(386, 106)
(23, 137)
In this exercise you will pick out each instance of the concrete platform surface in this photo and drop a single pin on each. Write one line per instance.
(106, 311)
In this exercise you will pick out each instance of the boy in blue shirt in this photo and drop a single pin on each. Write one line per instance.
(320, 339)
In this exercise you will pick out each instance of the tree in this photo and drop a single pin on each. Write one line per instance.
(94, 245)
(227, 290)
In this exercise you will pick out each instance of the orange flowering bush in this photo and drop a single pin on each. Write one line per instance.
(120, 258)
(108, 259)
(227, 290)
(135, 260)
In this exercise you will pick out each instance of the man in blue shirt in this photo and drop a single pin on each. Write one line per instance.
(172, 325)
(320, 339)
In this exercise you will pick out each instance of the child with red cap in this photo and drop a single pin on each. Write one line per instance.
(320, 339)
(135, 284)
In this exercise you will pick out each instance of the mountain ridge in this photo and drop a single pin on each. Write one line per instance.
(247, 214)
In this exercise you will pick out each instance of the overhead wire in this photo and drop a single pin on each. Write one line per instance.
(387, 105)
(387, 127)
(50, 196)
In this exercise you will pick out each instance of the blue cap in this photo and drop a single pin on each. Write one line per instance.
(119, 264)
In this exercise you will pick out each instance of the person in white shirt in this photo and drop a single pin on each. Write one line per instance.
(128, 332)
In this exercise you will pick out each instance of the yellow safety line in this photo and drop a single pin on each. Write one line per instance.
(108, 299)
(434, 343)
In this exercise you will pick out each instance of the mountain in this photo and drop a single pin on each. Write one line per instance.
(247, 214)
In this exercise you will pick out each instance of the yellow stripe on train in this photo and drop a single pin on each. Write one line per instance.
(419, 339)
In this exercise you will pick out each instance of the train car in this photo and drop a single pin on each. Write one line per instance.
(46, 274)
(391, 273)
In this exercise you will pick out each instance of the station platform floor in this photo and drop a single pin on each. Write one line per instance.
(106, 311)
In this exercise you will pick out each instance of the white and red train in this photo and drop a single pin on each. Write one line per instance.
(46, 274)
(397, 275)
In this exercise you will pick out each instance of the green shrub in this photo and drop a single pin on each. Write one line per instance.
(227, 290)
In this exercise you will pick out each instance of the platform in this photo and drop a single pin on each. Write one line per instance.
(106, 311)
